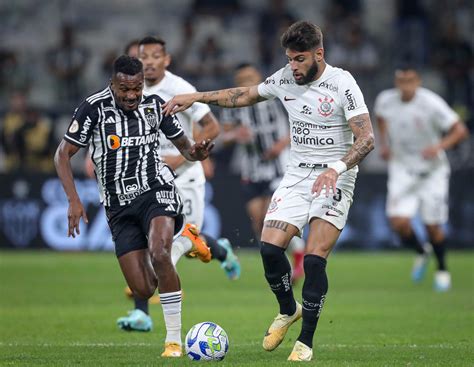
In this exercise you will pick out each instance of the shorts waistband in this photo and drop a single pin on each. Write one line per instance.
(312, 165)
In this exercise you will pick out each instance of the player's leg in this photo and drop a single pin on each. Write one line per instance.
(160, 238)
(286, 215)
(190, 242)
(276, 235)
(403, 201)
(434, 212)
(256, 210)
(221, 250)
(321, 240)
(297, 246)
(141, 278)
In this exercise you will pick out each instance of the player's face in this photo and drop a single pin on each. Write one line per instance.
(127, 90)
(246, 77)
(407, 82)
(303, 65)
(155, 61)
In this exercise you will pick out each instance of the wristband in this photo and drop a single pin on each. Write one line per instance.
(338, 166)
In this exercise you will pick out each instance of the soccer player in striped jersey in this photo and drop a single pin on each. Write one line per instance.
(143, 207)
(190, 180)
(331, 133)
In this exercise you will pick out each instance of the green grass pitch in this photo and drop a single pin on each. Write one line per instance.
(60, 309)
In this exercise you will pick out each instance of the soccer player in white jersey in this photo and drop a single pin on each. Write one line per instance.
(190, 179)
(326, 112)
(412, 121)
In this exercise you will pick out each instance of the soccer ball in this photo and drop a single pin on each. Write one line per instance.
(206, 341)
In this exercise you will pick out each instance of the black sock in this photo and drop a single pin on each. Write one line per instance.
(413, 242)
(217, 252)
(278, 272)
(141, 304)
(315, 288)
(440, 251)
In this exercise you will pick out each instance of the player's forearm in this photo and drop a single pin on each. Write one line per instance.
(62, 162)
(383, 136)
(209, 128)
(363, 145)
(457, 134)
(364, 140)
(233, 97)
(183, 144)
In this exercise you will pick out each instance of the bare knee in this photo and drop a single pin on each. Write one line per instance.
(145, 290)
(435, 233)
(321, 249)
(402, 226)
(160, 251)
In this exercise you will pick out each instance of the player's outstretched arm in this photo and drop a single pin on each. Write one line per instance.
(455, 135)
(196, 152)
(364, 140)
(62, 161)
(233, 97)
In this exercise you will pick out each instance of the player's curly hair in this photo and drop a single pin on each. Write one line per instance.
(152, 40)
(127, 65)
(302, 36)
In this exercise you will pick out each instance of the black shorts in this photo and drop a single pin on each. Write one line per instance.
(254, 190)
(129, 224)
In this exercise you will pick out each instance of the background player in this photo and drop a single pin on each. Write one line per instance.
(326, 112)
(142, 205)
(412, 121)
(262, 134)
(190, 178)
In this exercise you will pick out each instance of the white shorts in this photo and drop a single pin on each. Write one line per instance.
(193, 202)
(293, 202)
(410, 192)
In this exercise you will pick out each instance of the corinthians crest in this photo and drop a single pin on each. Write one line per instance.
(325, 109)
(151, 116)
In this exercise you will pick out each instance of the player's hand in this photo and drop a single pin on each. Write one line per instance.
(178, 103)
(385, 153)
(74, 214)
(431, 152)
(326, 181)
(200, 151)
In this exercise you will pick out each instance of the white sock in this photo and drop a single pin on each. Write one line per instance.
(180, 246)
(171, 304)
(297, 244)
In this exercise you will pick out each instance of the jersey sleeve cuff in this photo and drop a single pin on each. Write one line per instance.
(74, 141)
(176, 136)
(356, 112)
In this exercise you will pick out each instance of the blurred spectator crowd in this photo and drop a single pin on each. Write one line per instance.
(53, 54)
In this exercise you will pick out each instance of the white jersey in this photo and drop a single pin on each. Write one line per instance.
(168, 87)
(412, 126)
(318, 114)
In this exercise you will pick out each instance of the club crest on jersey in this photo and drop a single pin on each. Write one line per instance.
(325, 109)
(150, 116)
(273, 205)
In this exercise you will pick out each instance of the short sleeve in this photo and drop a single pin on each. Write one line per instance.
(268, 89)
(171, 127)
(444, 115)
(83, 121)
(351, 97)
(379, 106)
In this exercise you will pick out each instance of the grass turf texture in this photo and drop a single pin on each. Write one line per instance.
(60, 309)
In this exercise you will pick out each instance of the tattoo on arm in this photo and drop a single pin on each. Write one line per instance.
(364, 143)
(233, 97)
(282, 226)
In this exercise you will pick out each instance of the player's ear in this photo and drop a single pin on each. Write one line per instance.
(167, 60)
(319, 54)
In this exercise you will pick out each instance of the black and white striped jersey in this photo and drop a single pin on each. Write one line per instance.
(124, 145)
(268, 122)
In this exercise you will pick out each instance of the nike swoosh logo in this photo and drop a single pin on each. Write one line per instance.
(289, 99)
(329, 214)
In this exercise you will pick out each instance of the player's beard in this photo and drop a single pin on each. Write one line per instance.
(308, 78)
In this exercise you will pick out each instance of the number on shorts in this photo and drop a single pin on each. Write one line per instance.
(338, 196)
(187, 207)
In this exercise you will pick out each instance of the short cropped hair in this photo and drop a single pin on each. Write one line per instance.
(244, 65)
(127, 65)
(152, 40)
(302, 36)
